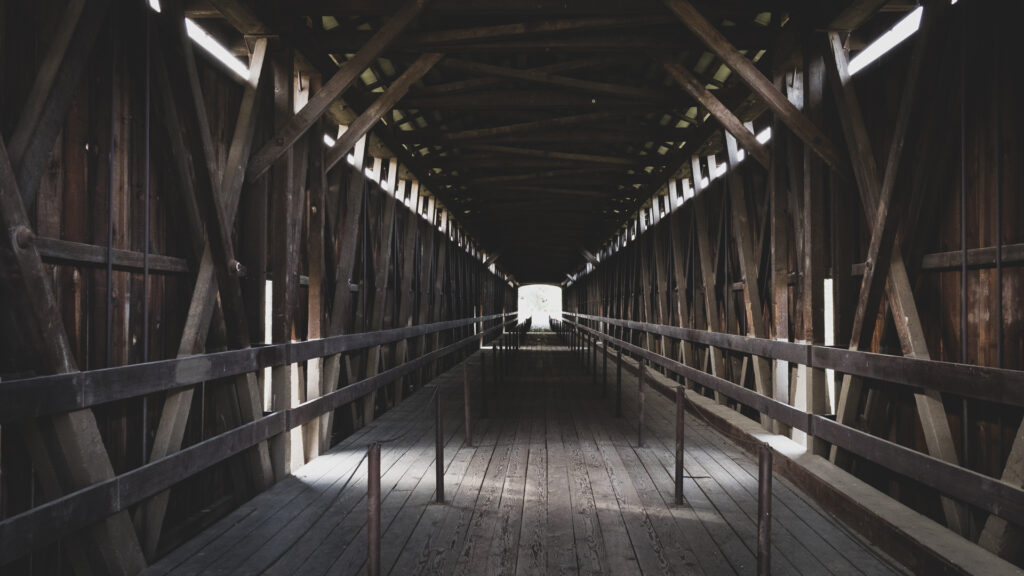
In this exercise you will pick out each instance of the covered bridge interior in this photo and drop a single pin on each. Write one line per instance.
(246, 239)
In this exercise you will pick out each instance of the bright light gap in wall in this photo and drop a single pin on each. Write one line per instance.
(903, 29)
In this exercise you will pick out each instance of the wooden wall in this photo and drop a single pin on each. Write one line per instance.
(94, 193)
(963, 152)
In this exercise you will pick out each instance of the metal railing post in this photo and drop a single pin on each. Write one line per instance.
(640, 400)
(466, 403)
(764, 510)
(438, 445)
(373, 511)
(618, 386)
(680, 433)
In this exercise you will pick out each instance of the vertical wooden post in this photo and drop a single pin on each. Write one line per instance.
(438, 444)
(466, 400)
(593, 361)
(812, 389)
(618, 386)
(373, 511)
(680, 434)
(640, 402)
(285, 448)
(764, 510)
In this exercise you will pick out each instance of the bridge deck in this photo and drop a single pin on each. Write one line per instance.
(553, 484)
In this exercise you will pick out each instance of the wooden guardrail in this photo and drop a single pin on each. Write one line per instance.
(998, 385)
(33, 397)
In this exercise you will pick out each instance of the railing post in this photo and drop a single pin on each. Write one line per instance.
(373, 511)
(438, 444)
(680, 432)
(483, 383)
(494, 365)
(640, 400)
(618, 386)
(466, 403)
(604, 361)
(593, 361)
(764, 511)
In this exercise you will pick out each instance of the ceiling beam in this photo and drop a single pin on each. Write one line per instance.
(534, 126)
(530, 100)
(570, 156)
(477, 83)
(586, 86)
(527, 28)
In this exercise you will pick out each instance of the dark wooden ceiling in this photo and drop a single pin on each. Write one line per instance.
(548, 122)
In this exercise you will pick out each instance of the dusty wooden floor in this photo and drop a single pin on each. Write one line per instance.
(554, 484)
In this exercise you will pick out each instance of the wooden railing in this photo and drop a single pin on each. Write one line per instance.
(29, 398)
(994, 384)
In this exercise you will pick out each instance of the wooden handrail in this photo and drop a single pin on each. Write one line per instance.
(999, 385)
(42, 395)
(989, 494)
(59, 518)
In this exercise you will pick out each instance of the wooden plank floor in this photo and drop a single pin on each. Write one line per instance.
(554, 484)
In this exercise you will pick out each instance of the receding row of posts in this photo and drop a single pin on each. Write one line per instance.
(584, 343)
(502, 348)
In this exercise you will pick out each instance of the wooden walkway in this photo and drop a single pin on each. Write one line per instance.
(554, 484)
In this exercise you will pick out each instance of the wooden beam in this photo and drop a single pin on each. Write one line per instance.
(534, 126)
(539, 27)
(473, 84)
(589, 257)
(45, 111)
(755, 80)
(707, 268)
(571, 156)
(382, 243)
(696, 89)
(67, 449)
(316, 218)
(531, 100)
(743, 233)
(177, 404)
(935, 424)
(382, 105)
(288, 134)
(856, 13)
(811, 389)
(57, 251)
(346, 232)
(586, 86)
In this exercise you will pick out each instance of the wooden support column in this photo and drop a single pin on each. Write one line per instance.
(382, 243)
(779, 258)
(315, 295)
(707, 270)
(285, 449)
(743, 232)
(812, 391)
(346, 231)
(682, 307)
(406, 294)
